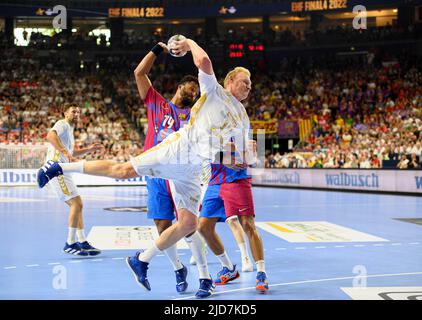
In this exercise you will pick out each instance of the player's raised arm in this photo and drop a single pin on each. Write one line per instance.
(200, 57)
(144, 67)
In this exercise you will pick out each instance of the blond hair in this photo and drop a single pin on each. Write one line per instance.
(233, 72)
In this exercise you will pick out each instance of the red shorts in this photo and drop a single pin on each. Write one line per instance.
(237, 197)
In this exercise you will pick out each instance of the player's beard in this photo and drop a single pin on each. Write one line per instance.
(186, 100)
(74, 122)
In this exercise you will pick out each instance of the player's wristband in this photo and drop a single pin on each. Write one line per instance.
(220, 156)
(157, 49)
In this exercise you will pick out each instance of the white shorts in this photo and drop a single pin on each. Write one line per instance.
(64, 187)
(173, 160)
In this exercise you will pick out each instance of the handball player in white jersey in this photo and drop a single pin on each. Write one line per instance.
(218, 119)
(61, 148)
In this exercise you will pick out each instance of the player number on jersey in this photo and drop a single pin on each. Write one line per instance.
(168, 121)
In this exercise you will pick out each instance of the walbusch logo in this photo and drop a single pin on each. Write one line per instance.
(14, 177)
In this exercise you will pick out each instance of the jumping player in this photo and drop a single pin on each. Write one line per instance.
(217, 118)
(165, 117)
(61, 148)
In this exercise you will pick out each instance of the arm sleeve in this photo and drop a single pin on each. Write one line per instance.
(153, 99)
(58, 127)
(207, 82)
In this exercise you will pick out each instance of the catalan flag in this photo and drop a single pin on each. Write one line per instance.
(305, 128)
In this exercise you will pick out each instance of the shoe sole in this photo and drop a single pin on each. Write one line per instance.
(76, 255)
(210, 293)
(93, 253)
(225, 280)
(136, 277)
(262, 289)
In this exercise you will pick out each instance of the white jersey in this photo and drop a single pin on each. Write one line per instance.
(216, 119)
(65, 132)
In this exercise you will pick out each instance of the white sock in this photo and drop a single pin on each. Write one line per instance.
(171, 253)
(243, 250)
(73, 167)
(260, 266)
(196, 246)
(225, 260)
(150, 253)
(80, 233)
(71, 236)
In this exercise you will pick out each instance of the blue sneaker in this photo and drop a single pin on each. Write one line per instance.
(261, 282)
(226, 275)
(181, 274)
(206, 287)
(74, 249)
(139, 270)
(86, 246)
(47, 172)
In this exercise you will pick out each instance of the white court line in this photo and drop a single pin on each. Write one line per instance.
(313, 281)
(160, 255)
(336, 205)
(182, 254)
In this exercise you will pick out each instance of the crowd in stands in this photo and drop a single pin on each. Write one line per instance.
(361, 117)
(32, 93)
(365, 111)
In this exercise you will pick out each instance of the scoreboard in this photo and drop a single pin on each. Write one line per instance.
(238, 50)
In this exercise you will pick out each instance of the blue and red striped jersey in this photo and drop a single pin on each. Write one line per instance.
(164, 118)
(221, 174)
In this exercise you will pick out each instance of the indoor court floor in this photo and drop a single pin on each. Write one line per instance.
(319, 245)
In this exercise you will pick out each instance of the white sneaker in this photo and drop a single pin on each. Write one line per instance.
(247, 265)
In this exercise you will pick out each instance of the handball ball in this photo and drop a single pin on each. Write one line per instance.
(170, 45)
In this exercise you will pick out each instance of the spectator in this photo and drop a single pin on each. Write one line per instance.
(403, 163)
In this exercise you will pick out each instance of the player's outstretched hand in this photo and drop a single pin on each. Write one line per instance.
(97, 147)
